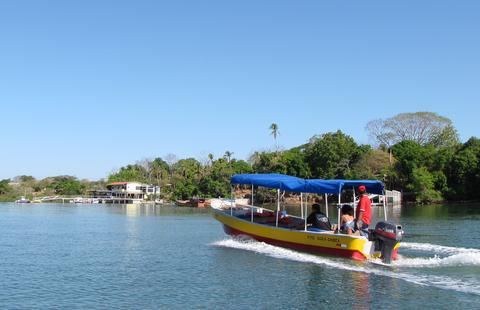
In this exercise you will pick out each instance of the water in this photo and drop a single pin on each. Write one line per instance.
(130, 257)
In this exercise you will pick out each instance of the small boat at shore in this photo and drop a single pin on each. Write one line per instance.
(192, 203)
(22, 200)
(277, 228)
(219, 203)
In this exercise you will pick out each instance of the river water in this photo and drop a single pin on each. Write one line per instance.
(145, 257)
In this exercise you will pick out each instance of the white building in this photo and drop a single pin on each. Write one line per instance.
(126, 192)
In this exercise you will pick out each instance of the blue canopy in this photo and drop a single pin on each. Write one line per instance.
(271, 180)
(298, 185)
(336, 186)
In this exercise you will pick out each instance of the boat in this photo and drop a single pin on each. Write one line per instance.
(277, 228)
(219, 203)
(22, 200)
(77, 200)
(192, 203)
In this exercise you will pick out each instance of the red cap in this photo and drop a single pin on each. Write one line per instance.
(362, 188)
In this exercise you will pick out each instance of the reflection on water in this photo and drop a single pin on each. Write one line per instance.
(361, 290)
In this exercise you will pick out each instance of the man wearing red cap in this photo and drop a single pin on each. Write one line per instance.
(364, 210)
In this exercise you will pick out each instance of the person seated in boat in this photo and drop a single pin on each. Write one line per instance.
(318, 219)
(347, 220)
(283, 218)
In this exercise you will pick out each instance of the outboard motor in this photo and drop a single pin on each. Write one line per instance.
(386, 236)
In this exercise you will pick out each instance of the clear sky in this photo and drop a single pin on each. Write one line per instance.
(90, 86)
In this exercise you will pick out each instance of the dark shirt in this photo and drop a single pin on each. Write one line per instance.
(319, 220)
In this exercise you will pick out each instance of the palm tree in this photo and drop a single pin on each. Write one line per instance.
(274, 132)
(228, 155)
(210, 157)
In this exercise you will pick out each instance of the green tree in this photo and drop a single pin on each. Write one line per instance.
(423, 186)
(159, 172)
(186, 176)
(264, 162)
(409, 156)
(291, 162)
(5, 187)
(130, 173)
(331, 155)
(374, 164)
(217, 182)
(446, 138)
(240, 166)
(294, 162)
(184, 189)
(67, 185)
(413, 161)
(463, 171)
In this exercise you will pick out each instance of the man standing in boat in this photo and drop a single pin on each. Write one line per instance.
(364, 210)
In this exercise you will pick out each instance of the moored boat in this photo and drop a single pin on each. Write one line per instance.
(277, 228)
(192, 203)
(22, 200)
(219, 203)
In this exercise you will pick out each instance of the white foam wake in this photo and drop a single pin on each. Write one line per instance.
(456, 256)
(442, 282)
(437, 249)
(461, 259)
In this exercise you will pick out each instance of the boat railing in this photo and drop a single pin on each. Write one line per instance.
(303, 206)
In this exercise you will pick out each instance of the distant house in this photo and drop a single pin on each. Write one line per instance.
(125, 192)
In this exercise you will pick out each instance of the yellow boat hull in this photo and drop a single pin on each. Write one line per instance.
(354, 247)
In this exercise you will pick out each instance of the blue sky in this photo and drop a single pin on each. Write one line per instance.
(90, 86)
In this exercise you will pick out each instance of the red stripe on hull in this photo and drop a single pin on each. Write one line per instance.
(395, 254)
(356, 255)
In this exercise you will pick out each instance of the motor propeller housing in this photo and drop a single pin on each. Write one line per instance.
(386, 236)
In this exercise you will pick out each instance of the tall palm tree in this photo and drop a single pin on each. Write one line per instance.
(210, 157)
(274, 132)
(228, 155)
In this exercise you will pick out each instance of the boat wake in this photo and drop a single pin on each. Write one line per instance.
(442, 282)
(444, 256)
(435, 248)
(462, 259)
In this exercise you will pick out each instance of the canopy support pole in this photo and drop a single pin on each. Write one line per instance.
(301, 205)
(251, 209)
(253, 201)
(339, 206)
(326, 205)
(385, 206)
(278, 207)
(354, 206)
(233, 200)
(306, 210)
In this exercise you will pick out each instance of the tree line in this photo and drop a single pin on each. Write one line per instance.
(64, 185)
(417, 153)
